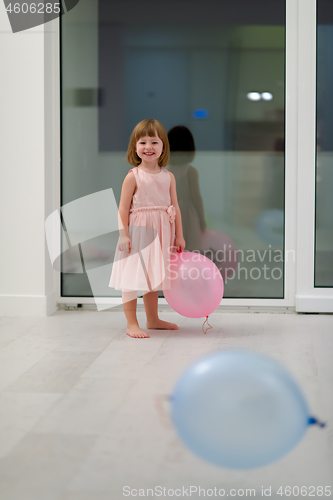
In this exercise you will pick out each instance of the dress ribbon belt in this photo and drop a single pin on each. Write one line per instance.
(171, 211)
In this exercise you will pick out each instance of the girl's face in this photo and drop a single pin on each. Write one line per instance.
(149, 149)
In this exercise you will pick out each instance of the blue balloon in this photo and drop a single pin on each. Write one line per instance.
(269, 226)
(239, 409)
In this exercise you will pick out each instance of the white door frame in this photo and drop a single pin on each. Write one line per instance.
(300, 98)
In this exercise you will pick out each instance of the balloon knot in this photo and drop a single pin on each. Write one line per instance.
(314, 421)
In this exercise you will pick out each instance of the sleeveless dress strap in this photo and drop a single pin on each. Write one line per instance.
(135, 176)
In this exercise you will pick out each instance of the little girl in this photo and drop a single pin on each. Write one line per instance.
(150, 227)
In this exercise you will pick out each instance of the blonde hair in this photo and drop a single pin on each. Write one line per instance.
(151, 128)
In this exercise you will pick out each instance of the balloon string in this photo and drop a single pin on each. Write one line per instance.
(207, 324)
(313, 420)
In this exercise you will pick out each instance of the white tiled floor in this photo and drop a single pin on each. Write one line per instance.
(79, 417)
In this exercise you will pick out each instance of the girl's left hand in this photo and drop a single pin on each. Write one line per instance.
(180, 244)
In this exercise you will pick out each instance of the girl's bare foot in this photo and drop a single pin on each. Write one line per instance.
(136, 332)
(158, 324)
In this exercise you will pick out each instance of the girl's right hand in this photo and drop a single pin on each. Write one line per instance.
(124, 243)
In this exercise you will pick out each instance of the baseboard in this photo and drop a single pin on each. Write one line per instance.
(28, 305)
(311, 304)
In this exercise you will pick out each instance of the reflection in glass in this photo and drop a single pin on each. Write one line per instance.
(194, 68)
(324, 164)
(182, 153)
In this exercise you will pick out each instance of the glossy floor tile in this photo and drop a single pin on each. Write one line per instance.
(84, 409)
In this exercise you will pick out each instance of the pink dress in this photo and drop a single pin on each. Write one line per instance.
(151, 229)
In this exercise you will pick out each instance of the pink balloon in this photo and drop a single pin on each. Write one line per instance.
(196, 285)
(224, 248)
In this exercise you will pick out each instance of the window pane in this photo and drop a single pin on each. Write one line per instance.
(215, 67)
(324, 166)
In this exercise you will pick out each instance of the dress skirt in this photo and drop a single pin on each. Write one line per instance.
(147, 267)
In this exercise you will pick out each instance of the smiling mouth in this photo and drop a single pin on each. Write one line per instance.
(149, 154)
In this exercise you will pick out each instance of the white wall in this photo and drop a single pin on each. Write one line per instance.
(27, 284)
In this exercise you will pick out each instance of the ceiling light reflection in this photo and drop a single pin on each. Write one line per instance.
(254, 96)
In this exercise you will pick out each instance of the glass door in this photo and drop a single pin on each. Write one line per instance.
(216, 68)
